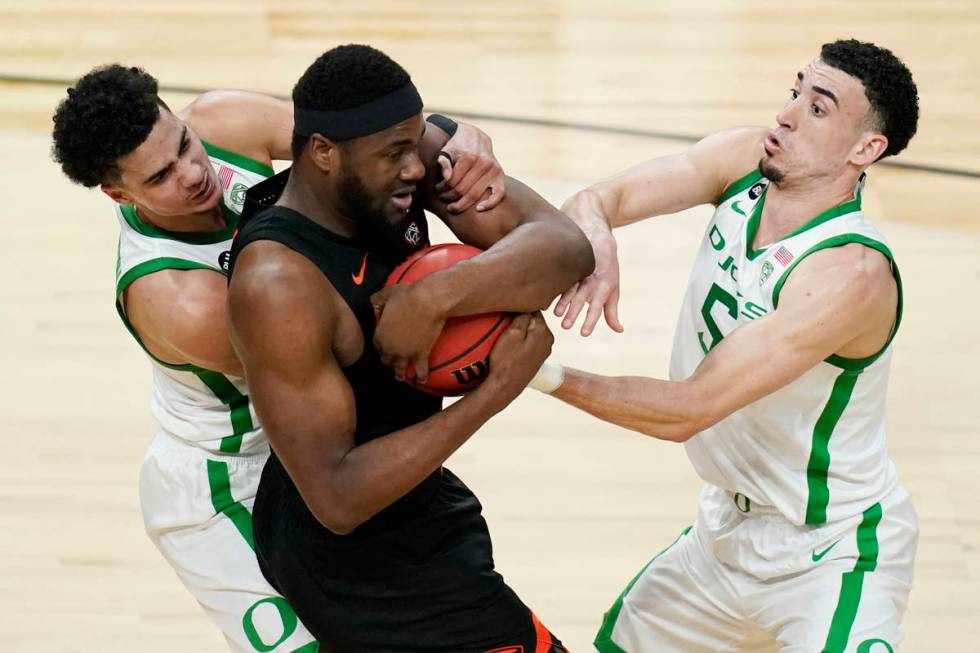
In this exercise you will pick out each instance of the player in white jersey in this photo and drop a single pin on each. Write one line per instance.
(179, 182)
(804, 538)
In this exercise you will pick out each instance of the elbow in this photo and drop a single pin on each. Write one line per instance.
(336, 516)
(693, 413)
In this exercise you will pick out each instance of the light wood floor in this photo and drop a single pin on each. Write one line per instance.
(576, 506)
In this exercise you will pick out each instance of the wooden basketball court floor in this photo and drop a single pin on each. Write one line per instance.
(576, 507)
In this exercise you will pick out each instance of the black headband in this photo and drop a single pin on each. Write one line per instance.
(368, 118)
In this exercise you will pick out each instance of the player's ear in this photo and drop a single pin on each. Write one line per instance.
(324, 153)
(116, 194)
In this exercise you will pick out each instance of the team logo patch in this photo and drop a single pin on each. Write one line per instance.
(413, 235)
(756, 191)
(224, 259)
(238, 194)
(766, 271)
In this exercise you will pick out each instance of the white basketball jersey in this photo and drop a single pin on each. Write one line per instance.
(207, 408)
(814, 449)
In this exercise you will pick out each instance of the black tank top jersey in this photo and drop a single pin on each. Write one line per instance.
(418, 576)
(356, 271)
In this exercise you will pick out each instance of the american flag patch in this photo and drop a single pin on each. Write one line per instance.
(225, 174)
(783, 255)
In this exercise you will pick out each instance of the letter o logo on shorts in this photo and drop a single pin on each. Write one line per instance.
(286, 615)
(868, 646)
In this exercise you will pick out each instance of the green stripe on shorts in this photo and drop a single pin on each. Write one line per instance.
(603, 639)
(223, 502)
(853, 581)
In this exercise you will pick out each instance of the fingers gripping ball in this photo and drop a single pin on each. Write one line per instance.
(460, 359)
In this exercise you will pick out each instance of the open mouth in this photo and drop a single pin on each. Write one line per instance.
(402, 199)
(771, 143)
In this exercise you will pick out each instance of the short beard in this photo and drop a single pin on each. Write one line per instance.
(370, 222)
(771, 172)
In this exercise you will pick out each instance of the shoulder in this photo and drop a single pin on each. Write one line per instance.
(185, 291)
(239, 121)
(857, 275)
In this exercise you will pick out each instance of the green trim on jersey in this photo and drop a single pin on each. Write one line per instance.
(228, 394)
(853, 364)
(818, 467)
(603, 639)
(739, 185)
(192, 238)
(157, 264)
(853, 581)
(141, 270)
(850, 206)
(239, 160)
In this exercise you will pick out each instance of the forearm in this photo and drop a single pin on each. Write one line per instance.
(522, 272)
(370, 477)
(666, 410)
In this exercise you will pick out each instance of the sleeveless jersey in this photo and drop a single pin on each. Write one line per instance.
(204, 407)
(357, 270)
(814, 449)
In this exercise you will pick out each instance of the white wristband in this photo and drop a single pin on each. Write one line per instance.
(548, 379)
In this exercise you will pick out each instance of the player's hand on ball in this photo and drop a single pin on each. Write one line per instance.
(518, 354)
(600, 290)
(407, 329)
(471, 173)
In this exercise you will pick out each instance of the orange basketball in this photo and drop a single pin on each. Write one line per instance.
(460, 359)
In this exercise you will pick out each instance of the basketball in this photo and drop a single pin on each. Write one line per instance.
(460, 359)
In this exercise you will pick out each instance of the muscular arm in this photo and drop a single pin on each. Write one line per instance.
(288, 346)
(261, 128)
(657, 187)
(839, 301)
(668, 184)
(532, 252)
(254, 125)
(179, 316)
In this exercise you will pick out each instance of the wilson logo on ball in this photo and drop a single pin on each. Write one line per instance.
(473, 372)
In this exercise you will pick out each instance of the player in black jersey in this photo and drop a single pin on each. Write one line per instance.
(374, 543)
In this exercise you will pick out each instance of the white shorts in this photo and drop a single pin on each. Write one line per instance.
(834, 588)
(197, 510)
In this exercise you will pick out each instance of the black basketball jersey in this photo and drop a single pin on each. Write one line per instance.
(356, 270)
(419, 575)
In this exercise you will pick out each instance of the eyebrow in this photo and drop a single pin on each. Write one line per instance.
(161, 171)
(821, 90)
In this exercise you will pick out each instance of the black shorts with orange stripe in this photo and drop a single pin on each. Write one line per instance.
(421, 581)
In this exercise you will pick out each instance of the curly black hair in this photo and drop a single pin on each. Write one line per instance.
(107, 114)
(344, 77)
(888, 86)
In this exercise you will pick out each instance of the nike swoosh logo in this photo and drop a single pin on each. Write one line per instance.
(817, 556)
(737, 210)
(359, 277)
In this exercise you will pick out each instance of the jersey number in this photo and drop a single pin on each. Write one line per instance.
(716, 294)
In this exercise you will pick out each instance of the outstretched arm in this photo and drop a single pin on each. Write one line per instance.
(657, 187)
(839, 301)
(261, 128)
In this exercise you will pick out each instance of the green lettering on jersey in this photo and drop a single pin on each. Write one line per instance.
(717, 240)
(716, 294)
(753, 310)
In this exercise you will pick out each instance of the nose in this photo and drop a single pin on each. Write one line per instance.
(413, 169)
(192, 175)
(787, 117)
